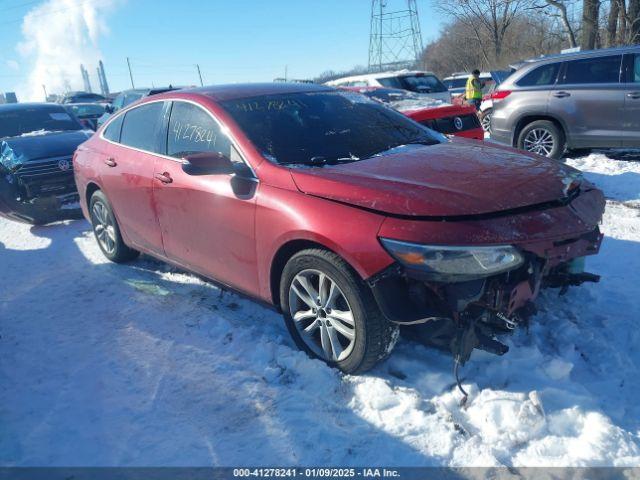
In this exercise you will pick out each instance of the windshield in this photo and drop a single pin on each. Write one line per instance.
(16, 122)
(319, 127)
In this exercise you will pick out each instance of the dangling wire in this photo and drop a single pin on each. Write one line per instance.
(456, 365)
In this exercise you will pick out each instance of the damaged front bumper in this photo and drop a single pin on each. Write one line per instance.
(552, 242)
(39, 192)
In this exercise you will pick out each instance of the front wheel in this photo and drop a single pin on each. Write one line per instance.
(542, 137)
(331, 313)
(106, 230)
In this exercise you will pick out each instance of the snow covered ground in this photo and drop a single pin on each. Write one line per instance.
(141, 364)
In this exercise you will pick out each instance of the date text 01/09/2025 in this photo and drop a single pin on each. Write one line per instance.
(315, 472)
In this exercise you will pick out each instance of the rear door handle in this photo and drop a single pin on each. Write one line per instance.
(163, 177)
(561, 94)
(634, 95)
(110, 162)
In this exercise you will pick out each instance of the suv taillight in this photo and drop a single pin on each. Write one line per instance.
(500, 95)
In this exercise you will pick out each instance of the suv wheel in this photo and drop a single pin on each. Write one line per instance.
(106, 230)
(485, 120)
(542, 137)
(331, 313)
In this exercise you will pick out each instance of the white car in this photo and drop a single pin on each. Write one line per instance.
(417, 81)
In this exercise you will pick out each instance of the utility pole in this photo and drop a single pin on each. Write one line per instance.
(130, 74)
(200, 75)
(45, 93)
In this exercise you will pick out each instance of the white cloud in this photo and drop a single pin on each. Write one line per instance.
(13, 65)
(58, 36)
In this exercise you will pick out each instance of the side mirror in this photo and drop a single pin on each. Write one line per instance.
(207, 163)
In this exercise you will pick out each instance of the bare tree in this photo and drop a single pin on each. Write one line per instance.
(590, 17)
(612, 23)
(633, 21)
(489, 20)
(622, 22)
(561, 7)
(529, 37)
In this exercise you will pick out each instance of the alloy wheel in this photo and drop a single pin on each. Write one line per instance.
(103, 227)
(540, 141)
(322, 315)
(485, 121)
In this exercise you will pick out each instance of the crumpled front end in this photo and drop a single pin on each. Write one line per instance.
(36, 191)
(546, 245)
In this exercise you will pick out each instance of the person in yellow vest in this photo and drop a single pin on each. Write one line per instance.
(474, 87)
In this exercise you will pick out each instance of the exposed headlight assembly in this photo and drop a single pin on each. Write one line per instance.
(444, 263)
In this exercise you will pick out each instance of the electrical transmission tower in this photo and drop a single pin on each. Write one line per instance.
(395, 40)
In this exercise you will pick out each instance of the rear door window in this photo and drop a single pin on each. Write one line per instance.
(593, 70)
(455, 83)
(541, 76)
(391, 82)
(140, 127)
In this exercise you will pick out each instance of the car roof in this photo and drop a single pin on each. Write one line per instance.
(84, 104)
(234, 91)
(373, 76)
(577, 55)
(13, 107)
(80, 93)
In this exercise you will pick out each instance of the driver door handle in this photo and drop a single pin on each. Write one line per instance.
(634, 95)
(163, 177)
(110, 162)
(561, 94)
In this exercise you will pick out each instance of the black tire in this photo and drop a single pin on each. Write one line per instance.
(556, 134)
(578, 152)
(120, 253)
(375, 336)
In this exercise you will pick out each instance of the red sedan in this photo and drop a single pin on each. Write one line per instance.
(459, 120)
(344, 214)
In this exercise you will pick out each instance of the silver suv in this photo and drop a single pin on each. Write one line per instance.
(571, 101)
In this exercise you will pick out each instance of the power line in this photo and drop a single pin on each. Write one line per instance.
(44, 14)
(21, 5)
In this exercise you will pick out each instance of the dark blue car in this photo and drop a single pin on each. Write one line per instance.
(37, 142)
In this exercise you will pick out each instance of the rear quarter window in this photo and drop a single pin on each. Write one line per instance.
(541, 76)
(112, 131)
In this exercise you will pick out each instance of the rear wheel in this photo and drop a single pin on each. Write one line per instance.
(542, 137)
(331, 313)
(485, 120)
(106, 230)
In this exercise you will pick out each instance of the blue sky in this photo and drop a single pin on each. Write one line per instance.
(232, 40)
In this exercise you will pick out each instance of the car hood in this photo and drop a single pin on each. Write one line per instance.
(46, 144)
(456, 178)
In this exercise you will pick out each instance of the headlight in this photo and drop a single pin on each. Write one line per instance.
(454, 263)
